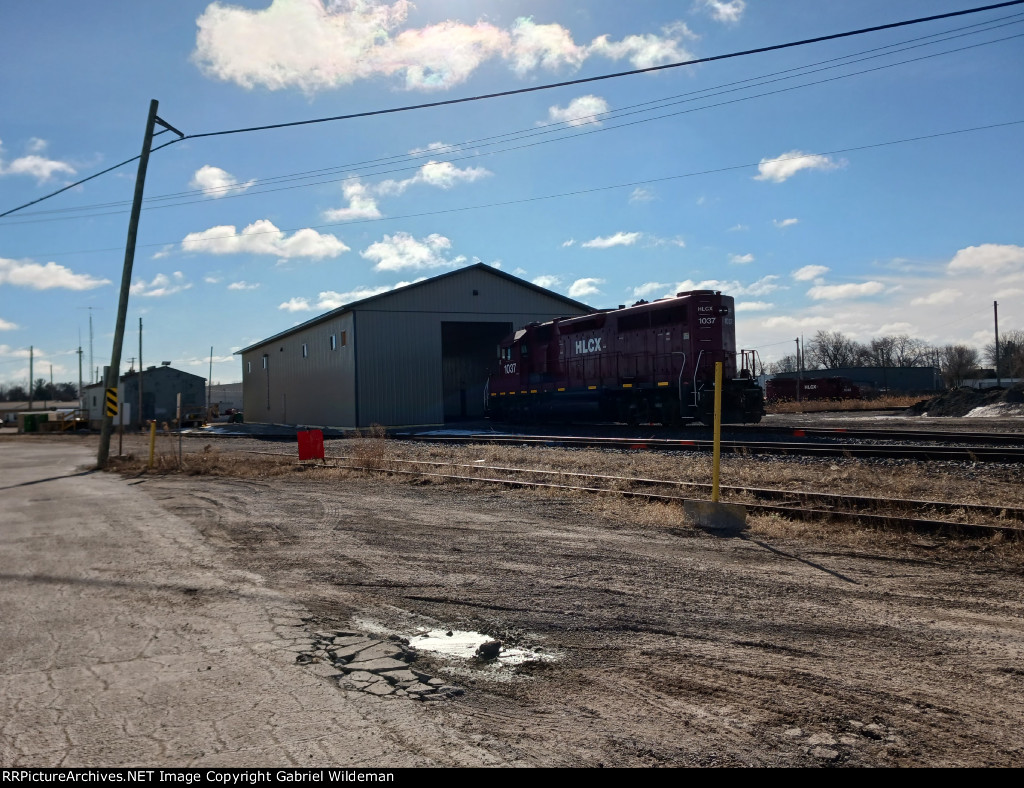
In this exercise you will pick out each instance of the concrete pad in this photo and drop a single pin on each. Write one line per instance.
(719, 517)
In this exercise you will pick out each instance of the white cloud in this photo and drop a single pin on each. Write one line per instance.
(579, 112)
(851, 290)
(741, 259)
(262, 237)
(640, 194)
(644, 51)
(585, 287)
(7, 325)
(606, 242)
(216, 182)
(162, 285)
(780, 223)
(549, 46)
(401, 250)
(988, 259)
(330, 299)
(763, 286)
(725, 10)
(27, 273)
(547, 281)
(650, 288)
(296, 305)
(570, 242)
(432, 147)
(753, 306)
(1010, 292)
(33, 165)
(655, 241)
(938, 298)
(788, 322)
(810, 272)
(738, 228)
(789, 164)
(314, 45)
(441, 174)
(361, 204)
(243, 285)
(213, 280)
(164, 252)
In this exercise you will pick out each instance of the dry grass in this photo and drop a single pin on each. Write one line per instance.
(817, 406)
(256, 460)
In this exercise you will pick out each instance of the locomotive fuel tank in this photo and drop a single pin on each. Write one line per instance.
(650, 362)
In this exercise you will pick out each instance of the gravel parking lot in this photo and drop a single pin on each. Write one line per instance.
(206, 617)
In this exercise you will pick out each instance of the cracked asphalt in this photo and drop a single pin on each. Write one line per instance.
(126, 641)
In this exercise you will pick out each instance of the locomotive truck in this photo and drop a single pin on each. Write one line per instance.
(650, 362)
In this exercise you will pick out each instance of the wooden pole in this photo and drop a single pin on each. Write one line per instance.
(114, 371)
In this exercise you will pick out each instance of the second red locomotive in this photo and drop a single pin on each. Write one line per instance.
(651, 362)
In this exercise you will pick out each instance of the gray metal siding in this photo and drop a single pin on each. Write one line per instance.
(397, 367)
(317, 389)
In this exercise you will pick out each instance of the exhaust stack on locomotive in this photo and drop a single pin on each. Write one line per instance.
(650, 362)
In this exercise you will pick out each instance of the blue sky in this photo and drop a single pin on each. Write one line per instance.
(738, 175)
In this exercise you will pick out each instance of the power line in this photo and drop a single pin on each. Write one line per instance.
(535, 88)
(553, 128)
(575, 193)
(616, 75)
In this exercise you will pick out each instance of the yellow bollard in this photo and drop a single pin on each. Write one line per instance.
(714, 515)
(152, 441)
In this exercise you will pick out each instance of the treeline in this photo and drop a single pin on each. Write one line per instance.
(42, 391)
(956, 363)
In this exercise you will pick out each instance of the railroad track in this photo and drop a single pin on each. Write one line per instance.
(935, 436)
(917, 515)
(1004, 454)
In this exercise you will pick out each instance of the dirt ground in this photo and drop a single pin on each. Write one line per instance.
(656, 644)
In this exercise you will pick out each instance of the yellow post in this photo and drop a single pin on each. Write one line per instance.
(717, 456)
(152, 441)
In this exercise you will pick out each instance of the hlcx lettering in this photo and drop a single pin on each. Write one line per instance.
(588, 345)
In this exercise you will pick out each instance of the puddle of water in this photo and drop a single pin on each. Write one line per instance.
(461, 644)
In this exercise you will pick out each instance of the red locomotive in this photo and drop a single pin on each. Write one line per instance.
(651, 362)
(790, 389)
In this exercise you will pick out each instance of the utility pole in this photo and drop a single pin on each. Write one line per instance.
(140, 373)
(81, 398)
(799, 370)
(51, 386)
(114, 370)
(995, 311)
(31, 372)
(209, 385)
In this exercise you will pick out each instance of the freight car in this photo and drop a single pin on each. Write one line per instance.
(650, 362)
(791, 389)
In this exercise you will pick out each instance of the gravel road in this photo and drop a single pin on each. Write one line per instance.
(177, 620)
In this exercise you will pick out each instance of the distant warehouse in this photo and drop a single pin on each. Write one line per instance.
(417, 355)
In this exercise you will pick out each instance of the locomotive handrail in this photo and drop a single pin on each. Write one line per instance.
(696, 367)
(682, 369)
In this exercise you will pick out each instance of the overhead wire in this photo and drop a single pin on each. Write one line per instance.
(548, 86)
(574, 193)
(528, 133)
(549, 128)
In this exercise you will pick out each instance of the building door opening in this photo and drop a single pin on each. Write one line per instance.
(468, 354)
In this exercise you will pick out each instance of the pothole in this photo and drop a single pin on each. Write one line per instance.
(385, 666)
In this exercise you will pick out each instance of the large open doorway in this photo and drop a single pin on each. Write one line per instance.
(468, 353)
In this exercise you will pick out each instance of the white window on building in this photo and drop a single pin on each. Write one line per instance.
(248, 366)
(334, 341)
(305, 350)
(266, 361)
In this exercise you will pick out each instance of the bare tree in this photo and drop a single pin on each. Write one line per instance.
(832, 349)
(784, 364)
(1011, 354)
(957, 363)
